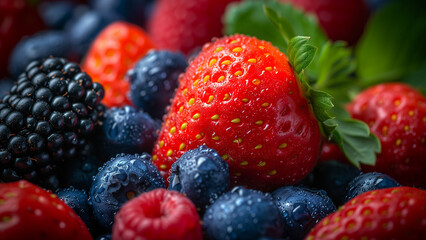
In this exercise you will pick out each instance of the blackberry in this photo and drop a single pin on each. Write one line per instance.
(45, 119)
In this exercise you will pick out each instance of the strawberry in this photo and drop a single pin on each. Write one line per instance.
(341, 20)
(241, 97)
(29, 212)
(331, 151)
(396, 114)
(115, 50)
(186, 24)
(392, 213)
(18, 18)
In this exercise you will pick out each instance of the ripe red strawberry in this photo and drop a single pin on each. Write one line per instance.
(158, 214)
(29, 212)
(341, 20)
(241, 98)
(115, 50)
(396, 114)
(331, 151)
(186, 24)
(392, 213)
(18, 18)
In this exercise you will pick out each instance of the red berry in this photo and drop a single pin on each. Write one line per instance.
(29, 212)
(186, 24)
(392, 213)
(17, 19)
(241, 98)
(158, 214)
(396, 114)
(115, 50)
(331, 151)
(341, 20)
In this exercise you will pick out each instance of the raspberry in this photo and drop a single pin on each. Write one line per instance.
(159, 214)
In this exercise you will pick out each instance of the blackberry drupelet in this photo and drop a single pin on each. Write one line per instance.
(45, 119)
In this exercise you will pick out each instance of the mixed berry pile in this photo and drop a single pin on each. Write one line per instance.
(212, 119)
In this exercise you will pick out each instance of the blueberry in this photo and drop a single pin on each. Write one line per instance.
(333, 177)
(134, 11)
(243, 214)
(368, 182)
(38, 47)
(154, 80)
(104, 237)
(301, 208)
(84, 27)
(201, 174)
(56, 14)
(126, 130)
(80, 172)
(78, 201)
(119, 180)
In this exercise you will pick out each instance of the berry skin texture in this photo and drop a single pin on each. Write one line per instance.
(333, 177)
(341, 20)
(301, 208)
(126, 130)
(392, 213)
(29, 212)
(241, 98)
(121, 179)
(202, 175)
(182, 25)
(37, 47)
(159, 214)
(78, 201)
(114, 51)
(154, 80)
(368, 182)
(243, 214)
(396, 114)
(46, 119)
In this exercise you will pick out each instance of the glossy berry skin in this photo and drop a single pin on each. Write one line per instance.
(46, 120)
(78, 200)
(159, 214)
(38, 47)
(84, 27)
(126, 130)
(301, 208)
(202, 175)
(396, 114)
(119, 180)
(114, 51)
(182, 25)
(392, 213)
(133, 11)
(368, 182)
(154, 80)
(56, 14)
(341, 20)
(29, 212)
(243, 214)
(240, 97)
(19, 19)
(333, 177)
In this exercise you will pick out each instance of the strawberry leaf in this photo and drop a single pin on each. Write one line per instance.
(281, 23)
(392, 45)
(300, 53)
(355, 140)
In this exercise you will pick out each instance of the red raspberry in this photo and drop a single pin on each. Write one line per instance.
(159, 214)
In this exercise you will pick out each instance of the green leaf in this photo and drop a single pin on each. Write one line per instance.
(321, 104)
(249, 18)
(282, 24)
(393, 43)
(355, 140)
(300, 53)
(417, 79)
(335, 65)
